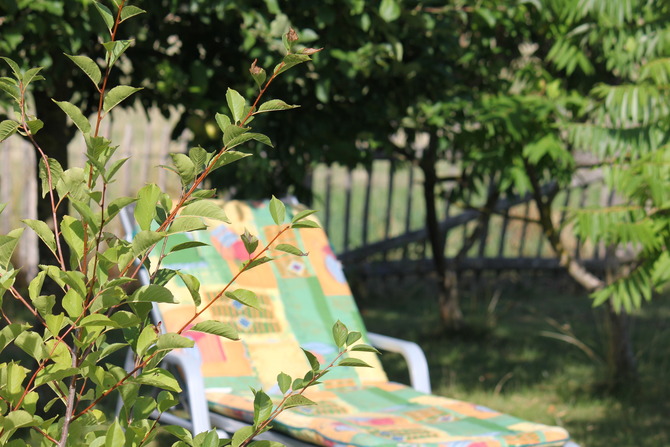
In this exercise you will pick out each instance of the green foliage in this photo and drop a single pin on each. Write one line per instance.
(73, 334)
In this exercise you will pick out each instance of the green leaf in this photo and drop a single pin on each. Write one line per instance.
(88, 66)
(115, 49)
(75, 115)
(187, 245)
(236, 104)
(284, 382)
(72, 183)
(243, 138)
(246, 297)
(145, 210)
(389, 10)
(262, 407)
(106, 15)
(159, 378)
(7, 129)
(255, 263)
(14, 66)
(274, 105)
(94, 320)
(288, 248)
(116, 95)
(258, 74)
(34, 126)
(250, 241)
(180, 433)
(185, 168)
(353, 362)
(73, 303)
(125, 319)
(298, 400)
(168, 342)
(290, 61)
(152, 293)
(56, 171)
(186, 224)
(313, 362)
(227, 158)
(305, 224)
(146, 239)
(277, 210)
(165, 401)
(216, 328)
(241, 435)
(204, 208)
(223, 121)
(200, 158)
(73, 232)
(115, 436)
(8, 244)
(10, 332)
(32, 344)
(340, 333)
(130, 11)
(364, 348)
(193, 285)
(32, 75)
(353, 337)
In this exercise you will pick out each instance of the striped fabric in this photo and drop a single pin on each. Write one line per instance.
(300, 299)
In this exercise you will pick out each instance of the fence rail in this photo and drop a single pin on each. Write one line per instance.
(375, 215)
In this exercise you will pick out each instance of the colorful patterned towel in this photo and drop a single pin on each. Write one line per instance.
(300, 299)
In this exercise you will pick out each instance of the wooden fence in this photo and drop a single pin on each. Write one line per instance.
(375, 215)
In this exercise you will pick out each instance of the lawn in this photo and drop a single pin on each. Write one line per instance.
(506, 361)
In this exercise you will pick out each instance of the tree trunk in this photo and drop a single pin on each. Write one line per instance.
(621, 364)
(447, 284)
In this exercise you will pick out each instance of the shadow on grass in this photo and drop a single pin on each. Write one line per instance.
(510, 357)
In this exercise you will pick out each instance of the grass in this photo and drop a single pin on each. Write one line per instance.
(503, 360)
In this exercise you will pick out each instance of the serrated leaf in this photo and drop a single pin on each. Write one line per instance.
(75, 115)
(288, 248)
(262, 407)
(152, 293)
(284, 382)
(246, 297)
(106, 15)
(43, 232)
(200, 157)
(364, 348)
(236, 104)
(204, 208)
(7, 129)
(116, 95)
(130, 11)
(275, 105)
(277, 210)
(353, 362)
(170, 341)
(88, 66)
(298, 400)
(216, 328)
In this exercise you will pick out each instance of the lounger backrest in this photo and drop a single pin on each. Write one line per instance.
(300, 299)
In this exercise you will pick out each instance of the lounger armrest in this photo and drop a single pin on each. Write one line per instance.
(189, 366)
(413, 354)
